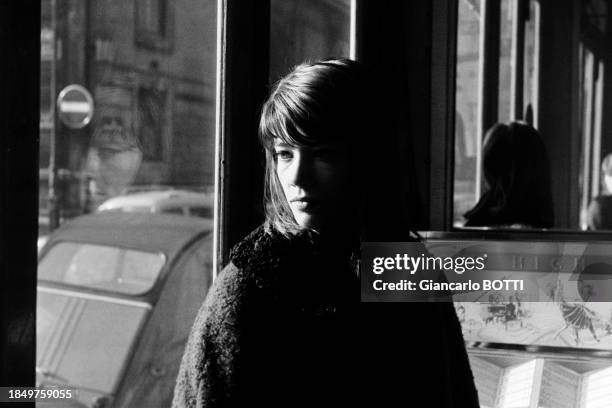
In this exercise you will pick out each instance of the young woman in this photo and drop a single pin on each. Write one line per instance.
(517, 176)
(283, 324)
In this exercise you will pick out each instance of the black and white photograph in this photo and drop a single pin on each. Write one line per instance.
(202, 201)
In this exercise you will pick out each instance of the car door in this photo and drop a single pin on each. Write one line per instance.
(90, 315)
(150, 378)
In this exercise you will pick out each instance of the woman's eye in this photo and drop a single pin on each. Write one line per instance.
(283, 155)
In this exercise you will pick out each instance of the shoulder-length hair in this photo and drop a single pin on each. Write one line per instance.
(517, 175)
(326, 101)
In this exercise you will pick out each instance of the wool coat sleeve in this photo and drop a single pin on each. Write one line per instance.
(207, 374)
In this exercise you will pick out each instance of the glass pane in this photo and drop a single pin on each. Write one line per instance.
(303, 30)
(505, 60)
(529, 79)
(466, 115)
(101, 267)
(96, 342)
(564, 99)
(595, 176)
(149, 66)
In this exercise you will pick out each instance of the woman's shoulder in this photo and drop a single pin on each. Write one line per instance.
(244, 282)
(267, 249)
(240, 278)
(259, 245)
(255, 277)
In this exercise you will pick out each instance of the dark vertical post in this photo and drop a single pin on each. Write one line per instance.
(19, 126)
(243, 85)
(558, 104)
(394, 41)
(411, 48)
(358, 8)
(443, 86)
(489, 92)
(489, 74)
(518, 58)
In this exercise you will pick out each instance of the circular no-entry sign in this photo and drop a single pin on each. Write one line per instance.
(75, 106)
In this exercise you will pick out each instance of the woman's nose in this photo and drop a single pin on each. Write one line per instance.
(301, 175)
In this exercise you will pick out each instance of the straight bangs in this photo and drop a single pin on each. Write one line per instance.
(289, 117)
(311, 105)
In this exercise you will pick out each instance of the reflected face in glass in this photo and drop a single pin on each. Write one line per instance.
(317, 183)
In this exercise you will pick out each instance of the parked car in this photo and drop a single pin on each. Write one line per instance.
(117, 296)
(181, 202)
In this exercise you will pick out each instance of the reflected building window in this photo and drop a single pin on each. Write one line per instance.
(151, 109)
(154, 24)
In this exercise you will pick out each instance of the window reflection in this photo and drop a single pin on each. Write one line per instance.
(153, 23)
(506, 39)
(307, 30)
(466, 116)
(150, 66)
(553, 74)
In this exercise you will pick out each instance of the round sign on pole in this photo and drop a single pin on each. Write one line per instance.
(75, 106)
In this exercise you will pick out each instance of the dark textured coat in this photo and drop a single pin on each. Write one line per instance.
(283, 326)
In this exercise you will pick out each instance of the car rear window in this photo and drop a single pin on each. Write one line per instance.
(174, 210)
(204, 212)
(114, 269)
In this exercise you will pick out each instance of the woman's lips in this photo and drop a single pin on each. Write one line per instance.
(303, 204)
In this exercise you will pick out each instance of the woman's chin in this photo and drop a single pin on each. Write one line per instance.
(307, 220)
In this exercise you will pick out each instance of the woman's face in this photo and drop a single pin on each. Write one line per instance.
(318, 183)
